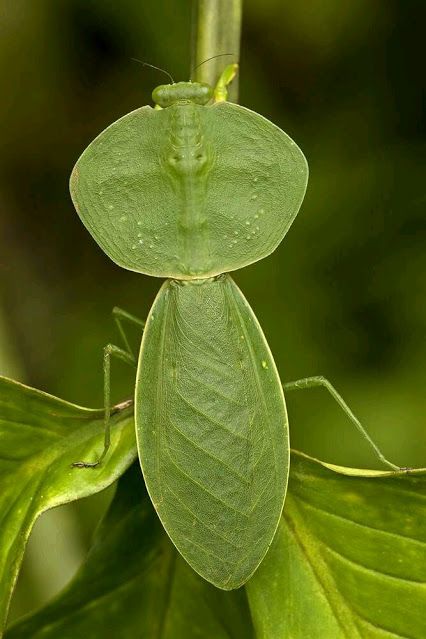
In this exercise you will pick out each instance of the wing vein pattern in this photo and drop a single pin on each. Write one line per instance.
(212, 427)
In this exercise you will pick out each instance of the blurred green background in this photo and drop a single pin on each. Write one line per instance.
(345, 294)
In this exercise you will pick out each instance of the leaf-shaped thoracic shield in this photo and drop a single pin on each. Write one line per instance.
(189, 191)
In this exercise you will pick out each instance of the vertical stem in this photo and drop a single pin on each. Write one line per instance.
(216, 29)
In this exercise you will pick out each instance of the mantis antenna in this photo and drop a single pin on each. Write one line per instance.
(213, 57)
(147, 64)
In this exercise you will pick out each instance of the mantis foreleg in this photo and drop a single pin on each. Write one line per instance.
(221, 89)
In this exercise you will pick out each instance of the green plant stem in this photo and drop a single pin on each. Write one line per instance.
(216, 29)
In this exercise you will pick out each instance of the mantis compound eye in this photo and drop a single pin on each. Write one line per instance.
(196, 92)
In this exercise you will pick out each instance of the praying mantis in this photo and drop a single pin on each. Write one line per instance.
(190, 191)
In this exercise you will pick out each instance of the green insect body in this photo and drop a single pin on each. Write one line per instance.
(189, 192)
(212, 427)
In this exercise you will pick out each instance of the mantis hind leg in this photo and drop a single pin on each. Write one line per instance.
(319, 381)
(124, 354)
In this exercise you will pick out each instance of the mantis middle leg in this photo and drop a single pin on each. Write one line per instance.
(319, 380)
(124, 354)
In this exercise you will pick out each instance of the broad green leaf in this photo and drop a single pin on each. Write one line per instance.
(40, 437)
(348, 560)
(211, 427)
(349, 557)
(189, 191)
(134, 584)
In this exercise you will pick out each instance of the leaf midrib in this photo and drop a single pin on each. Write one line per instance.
(325, 580)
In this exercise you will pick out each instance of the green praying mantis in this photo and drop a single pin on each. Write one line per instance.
(191, 190)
